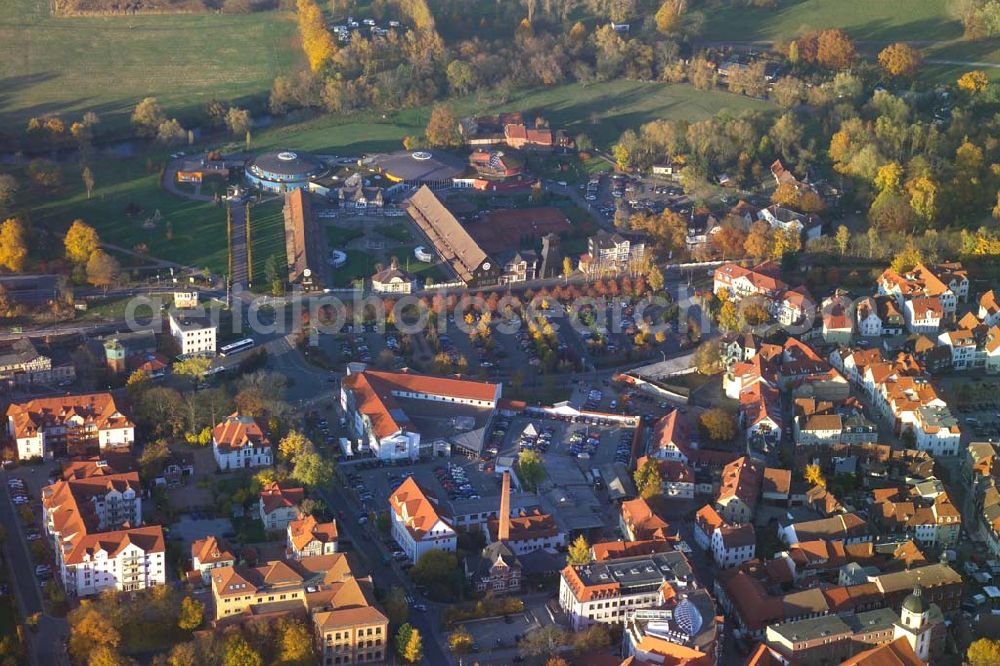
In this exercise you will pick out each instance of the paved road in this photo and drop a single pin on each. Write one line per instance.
(367, 541)
(46, 645)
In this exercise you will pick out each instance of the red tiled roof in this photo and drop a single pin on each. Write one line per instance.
(239, 431)
(274, 497)
(97, 410)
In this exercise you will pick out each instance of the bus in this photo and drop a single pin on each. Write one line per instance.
(236, 347)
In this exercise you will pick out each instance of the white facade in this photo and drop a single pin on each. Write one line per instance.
(241, 457)
(928, 322)
(963, 349)
(730, 556)
(131, 569)
(39, 445)
(193, 339)
(870, 325)
(277, 519)
(440, 537)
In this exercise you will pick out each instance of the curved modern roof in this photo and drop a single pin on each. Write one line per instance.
(286, 163)
(419, 165)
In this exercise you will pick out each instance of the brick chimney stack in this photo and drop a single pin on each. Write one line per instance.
(503, 530)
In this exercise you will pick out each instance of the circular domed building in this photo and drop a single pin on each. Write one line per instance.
(419, 167)
(284, 170)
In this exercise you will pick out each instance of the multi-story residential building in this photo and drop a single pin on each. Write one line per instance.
(923, 314)
(194, 334)
(611, 591)
(706, 522)
(936, 431)
(795, 306)
(95, 525)
(610, 253)
(739, 489)
(307, 537)
(806, 225)
(962, 344)
(210, 553)
(989, 308)
(240, 442)
(394, 413)
(740, 282)
(638, 522)
(22, 365)
(416, 524)
(72, 424)
(848, 528)
(732, 545)
(931, 522)
(279, 506)
(992, 350)
(830, 638)
(946, 283)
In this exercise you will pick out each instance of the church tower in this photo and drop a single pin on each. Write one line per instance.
(917, 623)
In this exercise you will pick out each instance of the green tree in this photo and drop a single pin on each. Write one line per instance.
(154, 457)
(648, 481)
(579, 551)
(530, 469)
(193, 368)
(396, 606)
(311, 469)
(436, 569)
(408, 644)
(191, 615)
(238, 652)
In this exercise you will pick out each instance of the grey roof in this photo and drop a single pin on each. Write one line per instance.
(638, 572)
(287, 163)
(17, 351)
(828, 626)
(419, 166)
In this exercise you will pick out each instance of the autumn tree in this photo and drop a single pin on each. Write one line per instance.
(974, 82)
(147, 117)
(238, 120)
(102, 269)
(191, 615)
(409, 645)
(90, 628)
(545, 642)
(579, 551)
(312, 469)
(396, 606)
(460, 641)
(907, 258)
(648, 480)
(759, 241)
(728, 240)
(835, 50)
(899, 60)
(669, 17)
(45, 173)
(293, 444)
(194, 368)
(294, 643)
(843, 239)
(718, 424)
(530, 469)
(983, 652)
(707, 358)
(595, 639)
(238, 652)
(317, 42)
(13, 245)
(8, 189)
(442, 128)
(814, 475)
(81, 241)
(88, 180)
(105, 655)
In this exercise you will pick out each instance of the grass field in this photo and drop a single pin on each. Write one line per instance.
(359, 265)
(600, 110)
(105, 64)
(196, 230)
(198, 236)
(268, 224)
(868, 20)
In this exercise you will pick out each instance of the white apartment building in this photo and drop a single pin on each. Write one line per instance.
(963, 348)
(68, 424)
(240, 442)
(95, 526)
(937, 431)
(193, 334)
(733, 545)
(416, 525)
